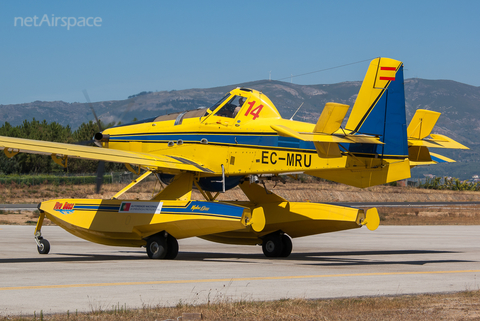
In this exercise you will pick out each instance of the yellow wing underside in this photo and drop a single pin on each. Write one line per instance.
(12, 146)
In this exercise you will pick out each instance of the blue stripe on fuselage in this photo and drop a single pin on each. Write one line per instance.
(249, 141)
(262, 141)
(207, 208)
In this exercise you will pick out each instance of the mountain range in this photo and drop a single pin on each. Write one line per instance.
(459, 104)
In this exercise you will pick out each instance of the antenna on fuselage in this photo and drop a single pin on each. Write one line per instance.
(291, 118)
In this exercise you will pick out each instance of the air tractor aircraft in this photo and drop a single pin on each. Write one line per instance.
(240, 141)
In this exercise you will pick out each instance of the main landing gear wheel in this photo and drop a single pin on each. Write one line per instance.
(287, 245)
(272, 245)
(160, 246)
(172, 247)
(277, 245)
(43, 246)
(156, 247)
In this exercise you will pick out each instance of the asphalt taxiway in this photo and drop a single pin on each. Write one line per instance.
(81, 276)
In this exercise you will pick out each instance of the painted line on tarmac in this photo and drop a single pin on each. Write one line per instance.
(293, 277)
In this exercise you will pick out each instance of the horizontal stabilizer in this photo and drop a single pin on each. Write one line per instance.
(437, 141)
(441, 159)
(422, 124)
(325, 138)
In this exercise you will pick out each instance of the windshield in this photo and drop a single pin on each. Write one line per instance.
(232, 107)
(218, 103)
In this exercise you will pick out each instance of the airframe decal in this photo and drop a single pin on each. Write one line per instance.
(65, 209)
(141, 207)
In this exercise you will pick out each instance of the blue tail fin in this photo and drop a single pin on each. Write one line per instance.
(380, 110)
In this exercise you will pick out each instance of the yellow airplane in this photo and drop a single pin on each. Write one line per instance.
(240, 141)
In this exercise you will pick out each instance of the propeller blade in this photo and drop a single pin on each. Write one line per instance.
(84, 142)
(93, 111)
(100, 172)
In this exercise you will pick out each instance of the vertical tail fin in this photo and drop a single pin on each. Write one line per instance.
(380, 109)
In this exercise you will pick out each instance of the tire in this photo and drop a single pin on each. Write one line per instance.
(44, 247)
(156, 247)
(287, 245)
(172, 248)
(272, 245)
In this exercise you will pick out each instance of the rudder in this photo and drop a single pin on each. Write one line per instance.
(380, 110)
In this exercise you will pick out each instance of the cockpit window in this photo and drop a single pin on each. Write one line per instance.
(232, 107)
(218, 103)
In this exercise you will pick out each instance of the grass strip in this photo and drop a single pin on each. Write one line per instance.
(451, 306)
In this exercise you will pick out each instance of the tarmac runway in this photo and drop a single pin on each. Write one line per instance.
(82, 276)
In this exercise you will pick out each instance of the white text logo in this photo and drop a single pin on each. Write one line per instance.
(53, 21)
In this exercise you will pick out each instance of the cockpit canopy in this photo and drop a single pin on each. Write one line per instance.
(241, 104)
(180, 116)
(231, 107)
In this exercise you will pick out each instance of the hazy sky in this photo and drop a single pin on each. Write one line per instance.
(165, 45)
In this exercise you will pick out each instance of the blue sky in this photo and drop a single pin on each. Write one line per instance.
(173, 45)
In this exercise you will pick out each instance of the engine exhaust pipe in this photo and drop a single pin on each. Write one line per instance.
(100, 138)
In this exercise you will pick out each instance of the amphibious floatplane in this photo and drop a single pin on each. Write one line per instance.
(240, 141)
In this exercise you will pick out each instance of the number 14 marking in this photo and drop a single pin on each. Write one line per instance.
(255, 112)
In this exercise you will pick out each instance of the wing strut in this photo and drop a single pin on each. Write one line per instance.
(132, 184)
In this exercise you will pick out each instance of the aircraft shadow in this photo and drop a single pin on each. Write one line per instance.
(305, 258)
(69, 257)
(326, 258)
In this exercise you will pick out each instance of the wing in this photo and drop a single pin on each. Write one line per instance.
(174, 164)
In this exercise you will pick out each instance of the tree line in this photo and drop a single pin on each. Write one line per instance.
(24, 163)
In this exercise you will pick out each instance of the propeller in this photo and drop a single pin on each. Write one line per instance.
(100, 172)
(101, 164)
(84, 142)
(93, 110)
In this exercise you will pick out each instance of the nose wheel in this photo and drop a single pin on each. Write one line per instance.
(43, 246)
